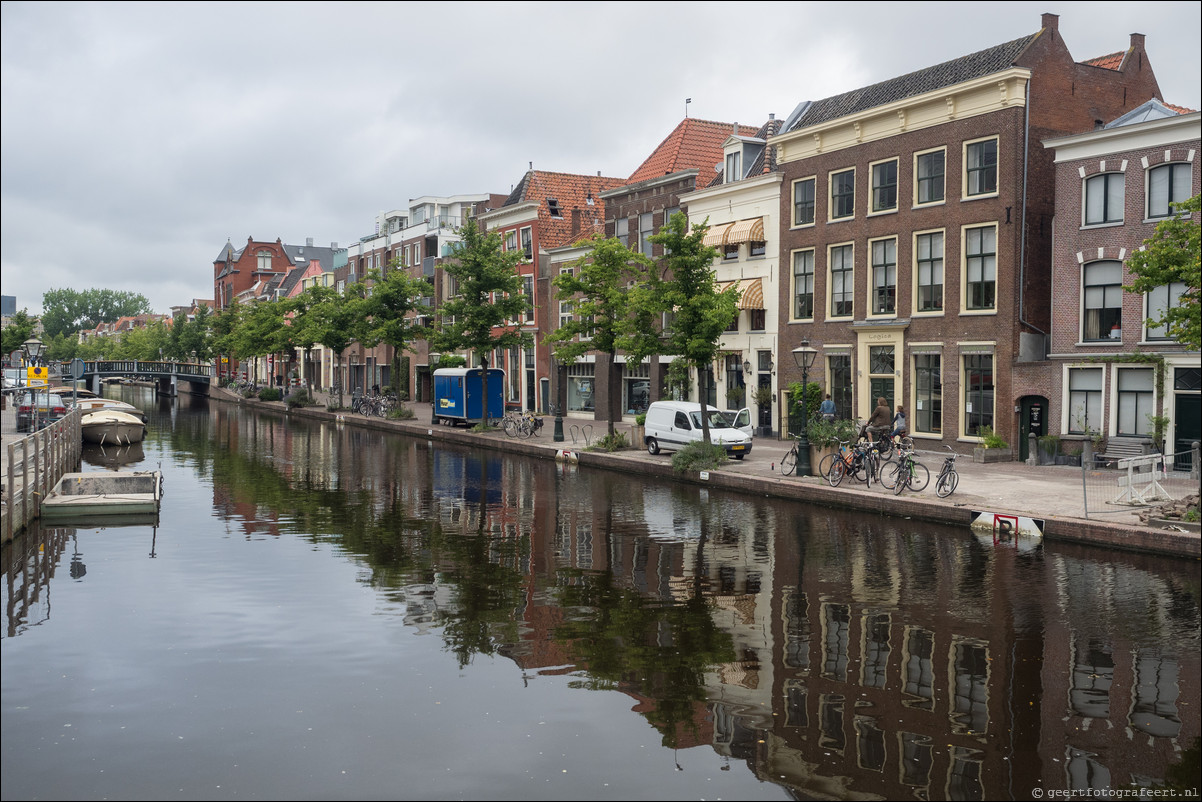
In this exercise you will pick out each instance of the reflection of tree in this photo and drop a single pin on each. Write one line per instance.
(661, 649)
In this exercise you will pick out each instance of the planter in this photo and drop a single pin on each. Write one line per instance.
(817, 453)
(636, 435)
(987, 455)
(1047, 456)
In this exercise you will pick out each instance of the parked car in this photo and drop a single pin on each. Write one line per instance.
(50, 407)
(671, 425)
(740, 419)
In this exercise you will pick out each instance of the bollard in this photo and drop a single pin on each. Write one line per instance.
(1032, 452)
(1193, 468)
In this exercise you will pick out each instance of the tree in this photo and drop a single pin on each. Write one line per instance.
(19, 329)
(598, 286)
(481, 317)
(67, 311)
(1171, 257)
(222, 327)
(387, 311)
(322, 315)
(699, 312)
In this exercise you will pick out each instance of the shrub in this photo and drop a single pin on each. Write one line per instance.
(270, 394)
(401, 413)
(699, 457)
(298, 398)
(828, 434)
(641, 419)
(990, 438)
(611, 443)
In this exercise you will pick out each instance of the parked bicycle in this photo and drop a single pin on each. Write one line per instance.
(906, 472)
(521, 424)
(788, 463)
(945, 483)
(860, 462)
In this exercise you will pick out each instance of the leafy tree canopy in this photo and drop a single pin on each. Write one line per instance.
(67, 311)
(18, 330)
(1171, 257)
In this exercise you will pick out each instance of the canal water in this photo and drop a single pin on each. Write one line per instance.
(325, 612)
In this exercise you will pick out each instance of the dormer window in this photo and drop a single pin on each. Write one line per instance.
(733, 166)
(553, 207)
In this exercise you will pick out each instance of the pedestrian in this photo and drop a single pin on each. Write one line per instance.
(827, 409)
(899, 422)
(880, 421)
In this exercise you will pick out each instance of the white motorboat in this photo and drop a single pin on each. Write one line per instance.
(112, 427)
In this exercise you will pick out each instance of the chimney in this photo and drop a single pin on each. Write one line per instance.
(1137, 41)
(308, 242)
(334, 246)
(575, 222)
(1051, 21)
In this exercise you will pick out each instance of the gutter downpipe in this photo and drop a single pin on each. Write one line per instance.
(1022, 253)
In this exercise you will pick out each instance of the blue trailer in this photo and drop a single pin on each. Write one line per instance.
(459, 395)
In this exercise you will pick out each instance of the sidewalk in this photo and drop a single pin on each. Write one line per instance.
(1054, 494)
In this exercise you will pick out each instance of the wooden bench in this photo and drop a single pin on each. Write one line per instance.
(1118, 448)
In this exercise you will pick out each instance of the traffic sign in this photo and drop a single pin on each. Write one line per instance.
(77, 368)
(38, 375)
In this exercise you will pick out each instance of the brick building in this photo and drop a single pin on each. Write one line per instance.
(916, 227)
(1108, 371)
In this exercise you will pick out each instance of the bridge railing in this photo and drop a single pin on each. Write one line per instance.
(139, 367)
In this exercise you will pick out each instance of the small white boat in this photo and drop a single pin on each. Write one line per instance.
(111, 427)
(104, 493)
(86, 405)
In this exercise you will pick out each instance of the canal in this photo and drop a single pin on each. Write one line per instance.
(325, 612)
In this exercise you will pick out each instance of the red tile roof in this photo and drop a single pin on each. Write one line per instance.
(1180, 109)
(578, 218)
(1113, 61)
(692, 144)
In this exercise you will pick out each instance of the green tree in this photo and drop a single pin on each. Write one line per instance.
(324, 316)
(19, 329)
(262, 330)
(1172, 256)
(197, 336)
(489, 299)
(388, 312)
(598, 286)
(67, 311)
(699, 313)
(222, 326)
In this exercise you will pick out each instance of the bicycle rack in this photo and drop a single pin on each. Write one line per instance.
(586, 433)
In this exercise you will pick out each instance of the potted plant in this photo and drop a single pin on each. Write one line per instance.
(824, 437)
(762, 396)
(1049, 445)
(992, 449)
(636, 431)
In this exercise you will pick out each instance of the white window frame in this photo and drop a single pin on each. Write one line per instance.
(1108, 218)
(968, 145)
(916, 271)
(813, 182)
(1141, 420)
(969, 350)
(1068, 419)
(830, 282)
(1170, 167)
(1172, 293)
(793, 283)
(873, 168)
(872, 276)
(1104, 338)
(964, 257)
(943, 180)
(830, 195)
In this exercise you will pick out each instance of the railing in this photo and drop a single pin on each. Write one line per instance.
(32, 465)
(143, 367)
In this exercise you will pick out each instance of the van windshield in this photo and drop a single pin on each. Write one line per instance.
(717, 419)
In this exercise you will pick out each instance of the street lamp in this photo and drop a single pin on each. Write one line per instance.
(434, 360)
(557, 434)
(804, 357)
(33, 348)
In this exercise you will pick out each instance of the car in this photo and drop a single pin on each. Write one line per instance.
(14, 377)
(740, 419)
(671, 425)
(38, 410)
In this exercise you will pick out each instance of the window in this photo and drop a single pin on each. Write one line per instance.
(803, 202)
(1103, 318)
(758, 319)
(529, 289)
(884, 186)
(843, 194)
(1084, 400)
(1160, 301)
(757, 247)
(622, 230)
(839, 369)
(553, 207)
(978, 393)
(733, 171)
(929, 251)
(803, 285)
(580, 387)
(880, 373)
(646, 229)
(730, 251)
(1168, 184)
(1135, 390)
(264, 259)
(929, 169)
(928, 394)
(528, 243)
(884, 277)
(980, 165)
(1104, 199)
(733, 325)
(842, 284)
(981, 267)
(417, 252)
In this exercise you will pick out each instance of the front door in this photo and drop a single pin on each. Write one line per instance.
(1033, 414)
(1188, 425)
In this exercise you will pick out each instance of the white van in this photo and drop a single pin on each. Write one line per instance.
(671, 425)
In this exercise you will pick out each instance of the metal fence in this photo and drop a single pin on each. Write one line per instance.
(1153, 480)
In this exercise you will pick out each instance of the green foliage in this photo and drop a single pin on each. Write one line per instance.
(990, 438)
(678, 378)
(762, 395)
(67, 311)
(641, 419)
(1173, 255)
(1160, 427)
(400, 412)
(452, 361)
(270, 394)
(298, 398)
(699, 456)
(812, 397)
(19, 329)
(387, 311)
(826, 434)
(614, 441)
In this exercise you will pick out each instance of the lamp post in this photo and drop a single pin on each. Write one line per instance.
(804, 357)
(434, 360)
(557, 434)
(32, 349)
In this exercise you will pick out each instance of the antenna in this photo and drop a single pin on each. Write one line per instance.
(687, 101)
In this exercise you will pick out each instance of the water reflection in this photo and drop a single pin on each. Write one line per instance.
(836, 655)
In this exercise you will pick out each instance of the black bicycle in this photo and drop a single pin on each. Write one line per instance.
(945, 483)
(788, 463)
(906, 472)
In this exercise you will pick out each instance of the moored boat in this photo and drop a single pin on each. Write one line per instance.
(104, 493)
(111, 427)
(86, 405)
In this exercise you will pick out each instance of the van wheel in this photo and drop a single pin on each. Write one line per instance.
(652, 445)
(739, 456)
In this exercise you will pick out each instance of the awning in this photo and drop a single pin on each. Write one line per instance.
(746, 231)
(751, 292)
(716, 235)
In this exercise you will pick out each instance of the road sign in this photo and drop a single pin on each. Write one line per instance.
(38, 375)
(77, 368)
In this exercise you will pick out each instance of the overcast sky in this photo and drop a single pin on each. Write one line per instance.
(137, 138)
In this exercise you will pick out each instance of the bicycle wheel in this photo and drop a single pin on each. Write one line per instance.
(946, 485)
(788, 462)
(837, 471)
(824, 467)
(907, 443)
(510, 426)
(524, 429)
(920, 477)
(891, 474)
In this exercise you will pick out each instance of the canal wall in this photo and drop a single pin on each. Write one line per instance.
(1051, 496)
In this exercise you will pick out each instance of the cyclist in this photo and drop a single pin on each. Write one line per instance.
(879, 422)
(899, 422)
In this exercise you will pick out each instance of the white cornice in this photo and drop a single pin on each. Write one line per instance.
(510, 215)
(747, 186)
(1183, 128)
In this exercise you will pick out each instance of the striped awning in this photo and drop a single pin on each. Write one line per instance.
(751, 292)
(746, 231)
(716, 235)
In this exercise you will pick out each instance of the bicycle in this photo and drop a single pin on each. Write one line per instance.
(788, 463)
(906, 472)
(945, 483)
(858, 462)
